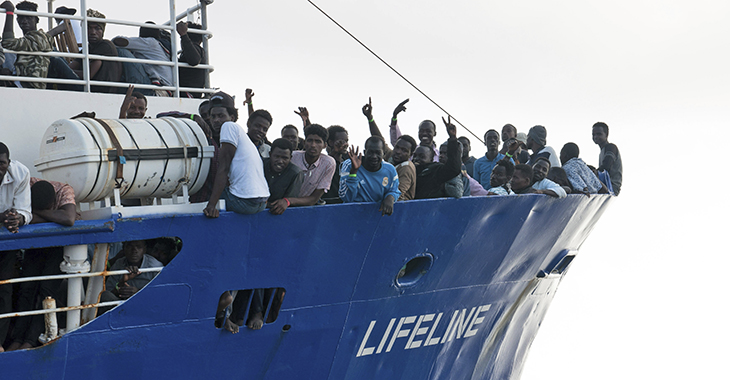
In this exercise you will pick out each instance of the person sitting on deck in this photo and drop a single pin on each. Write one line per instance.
(240, 176)
(291, 133)
(16, 211)
(432, 176)
(123, 286)
(536, 141)
(148, 46)
(33, 40)
(51, 201)
(541, 184)
(466, 160)
(371, 180)
(484, 165)
(501, 177)
(337, 142)
(284, 178)
(521, 182)
(318, 168)
(399, 156)
(610, 158)
(193, 54)
(134, 105)
(106, 71)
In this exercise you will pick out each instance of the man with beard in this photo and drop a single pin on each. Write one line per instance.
(399, 156)
(432, 176)
(484, 165)
(541, 184)
(371, 180)
(284, 178)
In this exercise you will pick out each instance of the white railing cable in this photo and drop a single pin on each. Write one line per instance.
(76, 275)
(59, 309)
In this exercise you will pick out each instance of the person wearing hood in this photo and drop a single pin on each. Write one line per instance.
(537, 143)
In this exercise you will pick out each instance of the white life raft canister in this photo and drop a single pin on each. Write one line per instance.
(142, 157)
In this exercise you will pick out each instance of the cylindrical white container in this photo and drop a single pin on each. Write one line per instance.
(159, 156)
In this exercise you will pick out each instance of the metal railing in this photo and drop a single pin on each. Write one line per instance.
(87, 82)
(77, 267)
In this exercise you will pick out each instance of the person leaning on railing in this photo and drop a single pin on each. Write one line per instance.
(16, 212)
(192, 54)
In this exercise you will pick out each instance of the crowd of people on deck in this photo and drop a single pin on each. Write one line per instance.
(253, 174)
(151, 44)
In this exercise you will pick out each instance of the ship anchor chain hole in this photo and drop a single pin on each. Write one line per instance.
(414, 270)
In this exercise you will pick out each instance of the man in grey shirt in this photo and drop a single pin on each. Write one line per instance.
(148, 46)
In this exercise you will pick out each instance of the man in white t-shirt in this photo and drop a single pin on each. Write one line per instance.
(240, 177)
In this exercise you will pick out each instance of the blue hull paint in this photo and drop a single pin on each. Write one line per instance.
(338, 265)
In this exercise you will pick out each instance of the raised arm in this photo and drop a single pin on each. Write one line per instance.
(249, 101)
(304, 114)
(8, 29)
(367, 110)
(127, 102)
(395, 133)
(348, 175)
(453, 167)
(190, 54)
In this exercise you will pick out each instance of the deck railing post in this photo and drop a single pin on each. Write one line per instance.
(173, 44)
(204, 24)
(74, 261)
(85, 46)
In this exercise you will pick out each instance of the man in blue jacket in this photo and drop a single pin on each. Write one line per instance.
(371, 179)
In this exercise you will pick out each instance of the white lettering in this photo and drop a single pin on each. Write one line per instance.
(451, 323)
(475, 321)
(419, 331)
(366, 351)
(398, 333)
(385, 336)
(461, 325)
(429, 341)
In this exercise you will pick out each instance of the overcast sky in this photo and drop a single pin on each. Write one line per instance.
(645, 298)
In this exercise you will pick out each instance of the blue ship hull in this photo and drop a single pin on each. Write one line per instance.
(489, 268)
